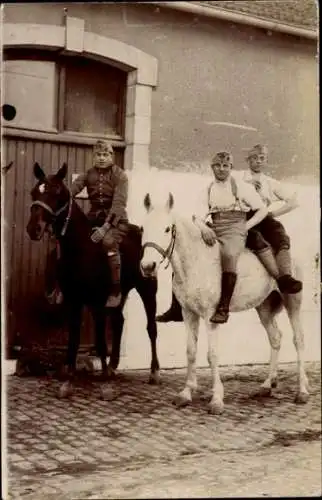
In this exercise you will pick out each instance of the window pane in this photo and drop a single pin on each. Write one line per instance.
(94, 97)
(30, 87)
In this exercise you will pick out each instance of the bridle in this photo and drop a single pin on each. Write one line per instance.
(166, 254)
(56, 213)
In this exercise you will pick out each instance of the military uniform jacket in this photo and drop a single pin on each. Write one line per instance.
(107, 192)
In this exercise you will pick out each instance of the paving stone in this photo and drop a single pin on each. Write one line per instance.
(14, 457)
(142, 425)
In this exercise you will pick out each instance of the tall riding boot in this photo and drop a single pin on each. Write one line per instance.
(173, 314)
(115, 296)
(228, 282)
(286, 282)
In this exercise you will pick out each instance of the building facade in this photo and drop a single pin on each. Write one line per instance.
(167, 83)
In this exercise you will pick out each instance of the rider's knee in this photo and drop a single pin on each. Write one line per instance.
(256, 242)
(281, 243)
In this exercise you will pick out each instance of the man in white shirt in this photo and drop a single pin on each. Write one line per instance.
(229, 201)
(270, 234)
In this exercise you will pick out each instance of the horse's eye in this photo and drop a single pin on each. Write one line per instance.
(167, 229)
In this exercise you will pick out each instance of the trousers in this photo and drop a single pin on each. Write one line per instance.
(230, 230)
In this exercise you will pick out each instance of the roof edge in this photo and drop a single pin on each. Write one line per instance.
(220, 13)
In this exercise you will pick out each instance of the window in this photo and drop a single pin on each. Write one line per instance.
(30, 86)
(64, 94)
(93, 98)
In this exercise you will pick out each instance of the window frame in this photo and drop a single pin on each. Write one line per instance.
(60, 59)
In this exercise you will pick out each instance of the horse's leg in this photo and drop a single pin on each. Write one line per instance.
(267, 318)
(293, 307)
(191, 321)
(99, 317)
(107, 391)
(117, 322)
(74, 325)
(147, 289)
(216, 405)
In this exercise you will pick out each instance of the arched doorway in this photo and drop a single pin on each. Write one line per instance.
(65, 97)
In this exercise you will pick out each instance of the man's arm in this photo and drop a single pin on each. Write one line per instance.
(255, 202)
(257, 217)
(78, 184)
(120, 198)
(290, 200)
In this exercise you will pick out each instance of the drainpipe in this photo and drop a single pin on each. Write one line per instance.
(201, 10)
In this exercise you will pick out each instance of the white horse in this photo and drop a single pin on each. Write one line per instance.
(196, 283)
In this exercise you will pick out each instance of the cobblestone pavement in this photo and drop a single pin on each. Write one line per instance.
(139, 445)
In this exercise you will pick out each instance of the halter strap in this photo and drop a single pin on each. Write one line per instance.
(68, 204)
(166, 254)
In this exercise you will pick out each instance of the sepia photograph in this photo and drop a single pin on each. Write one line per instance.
(160, 250)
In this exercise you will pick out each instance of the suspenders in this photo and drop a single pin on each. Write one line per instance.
(233, 189)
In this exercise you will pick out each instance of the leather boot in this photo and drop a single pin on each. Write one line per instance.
(286, 282)
(114, 299)
(173, 314)
(228, 282)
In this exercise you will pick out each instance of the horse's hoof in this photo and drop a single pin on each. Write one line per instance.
(65, 390)
(181, 401)
(110, 372)
(215, 407)
(263, 392)
(274, 383)
(301, 398)
(107, 393)
(155, 378)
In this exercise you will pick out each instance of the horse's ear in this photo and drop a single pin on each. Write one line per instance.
(38, 172)
(170, 201)
(147, 202)
(61, 174)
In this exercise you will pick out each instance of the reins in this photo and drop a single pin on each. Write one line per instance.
(166, 254)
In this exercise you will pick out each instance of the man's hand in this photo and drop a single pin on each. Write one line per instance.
(99, 233)
(208, 235)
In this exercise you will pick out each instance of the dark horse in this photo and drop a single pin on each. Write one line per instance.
(84, 275)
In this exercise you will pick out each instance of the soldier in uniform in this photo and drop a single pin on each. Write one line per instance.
(107, 187)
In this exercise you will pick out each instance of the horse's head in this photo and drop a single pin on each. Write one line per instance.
(158, 234)
(50, 197)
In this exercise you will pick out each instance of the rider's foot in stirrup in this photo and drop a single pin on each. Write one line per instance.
(287, 284)
(170, 315)
(113, 300)
(220, 316)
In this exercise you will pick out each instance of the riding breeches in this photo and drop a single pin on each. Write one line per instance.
(268, 232)
(230, 230)
(114, 237)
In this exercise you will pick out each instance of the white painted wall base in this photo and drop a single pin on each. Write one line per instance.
(243, 340)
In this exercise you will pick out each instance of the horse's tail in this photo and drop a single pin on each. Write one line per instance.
(275, 301)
